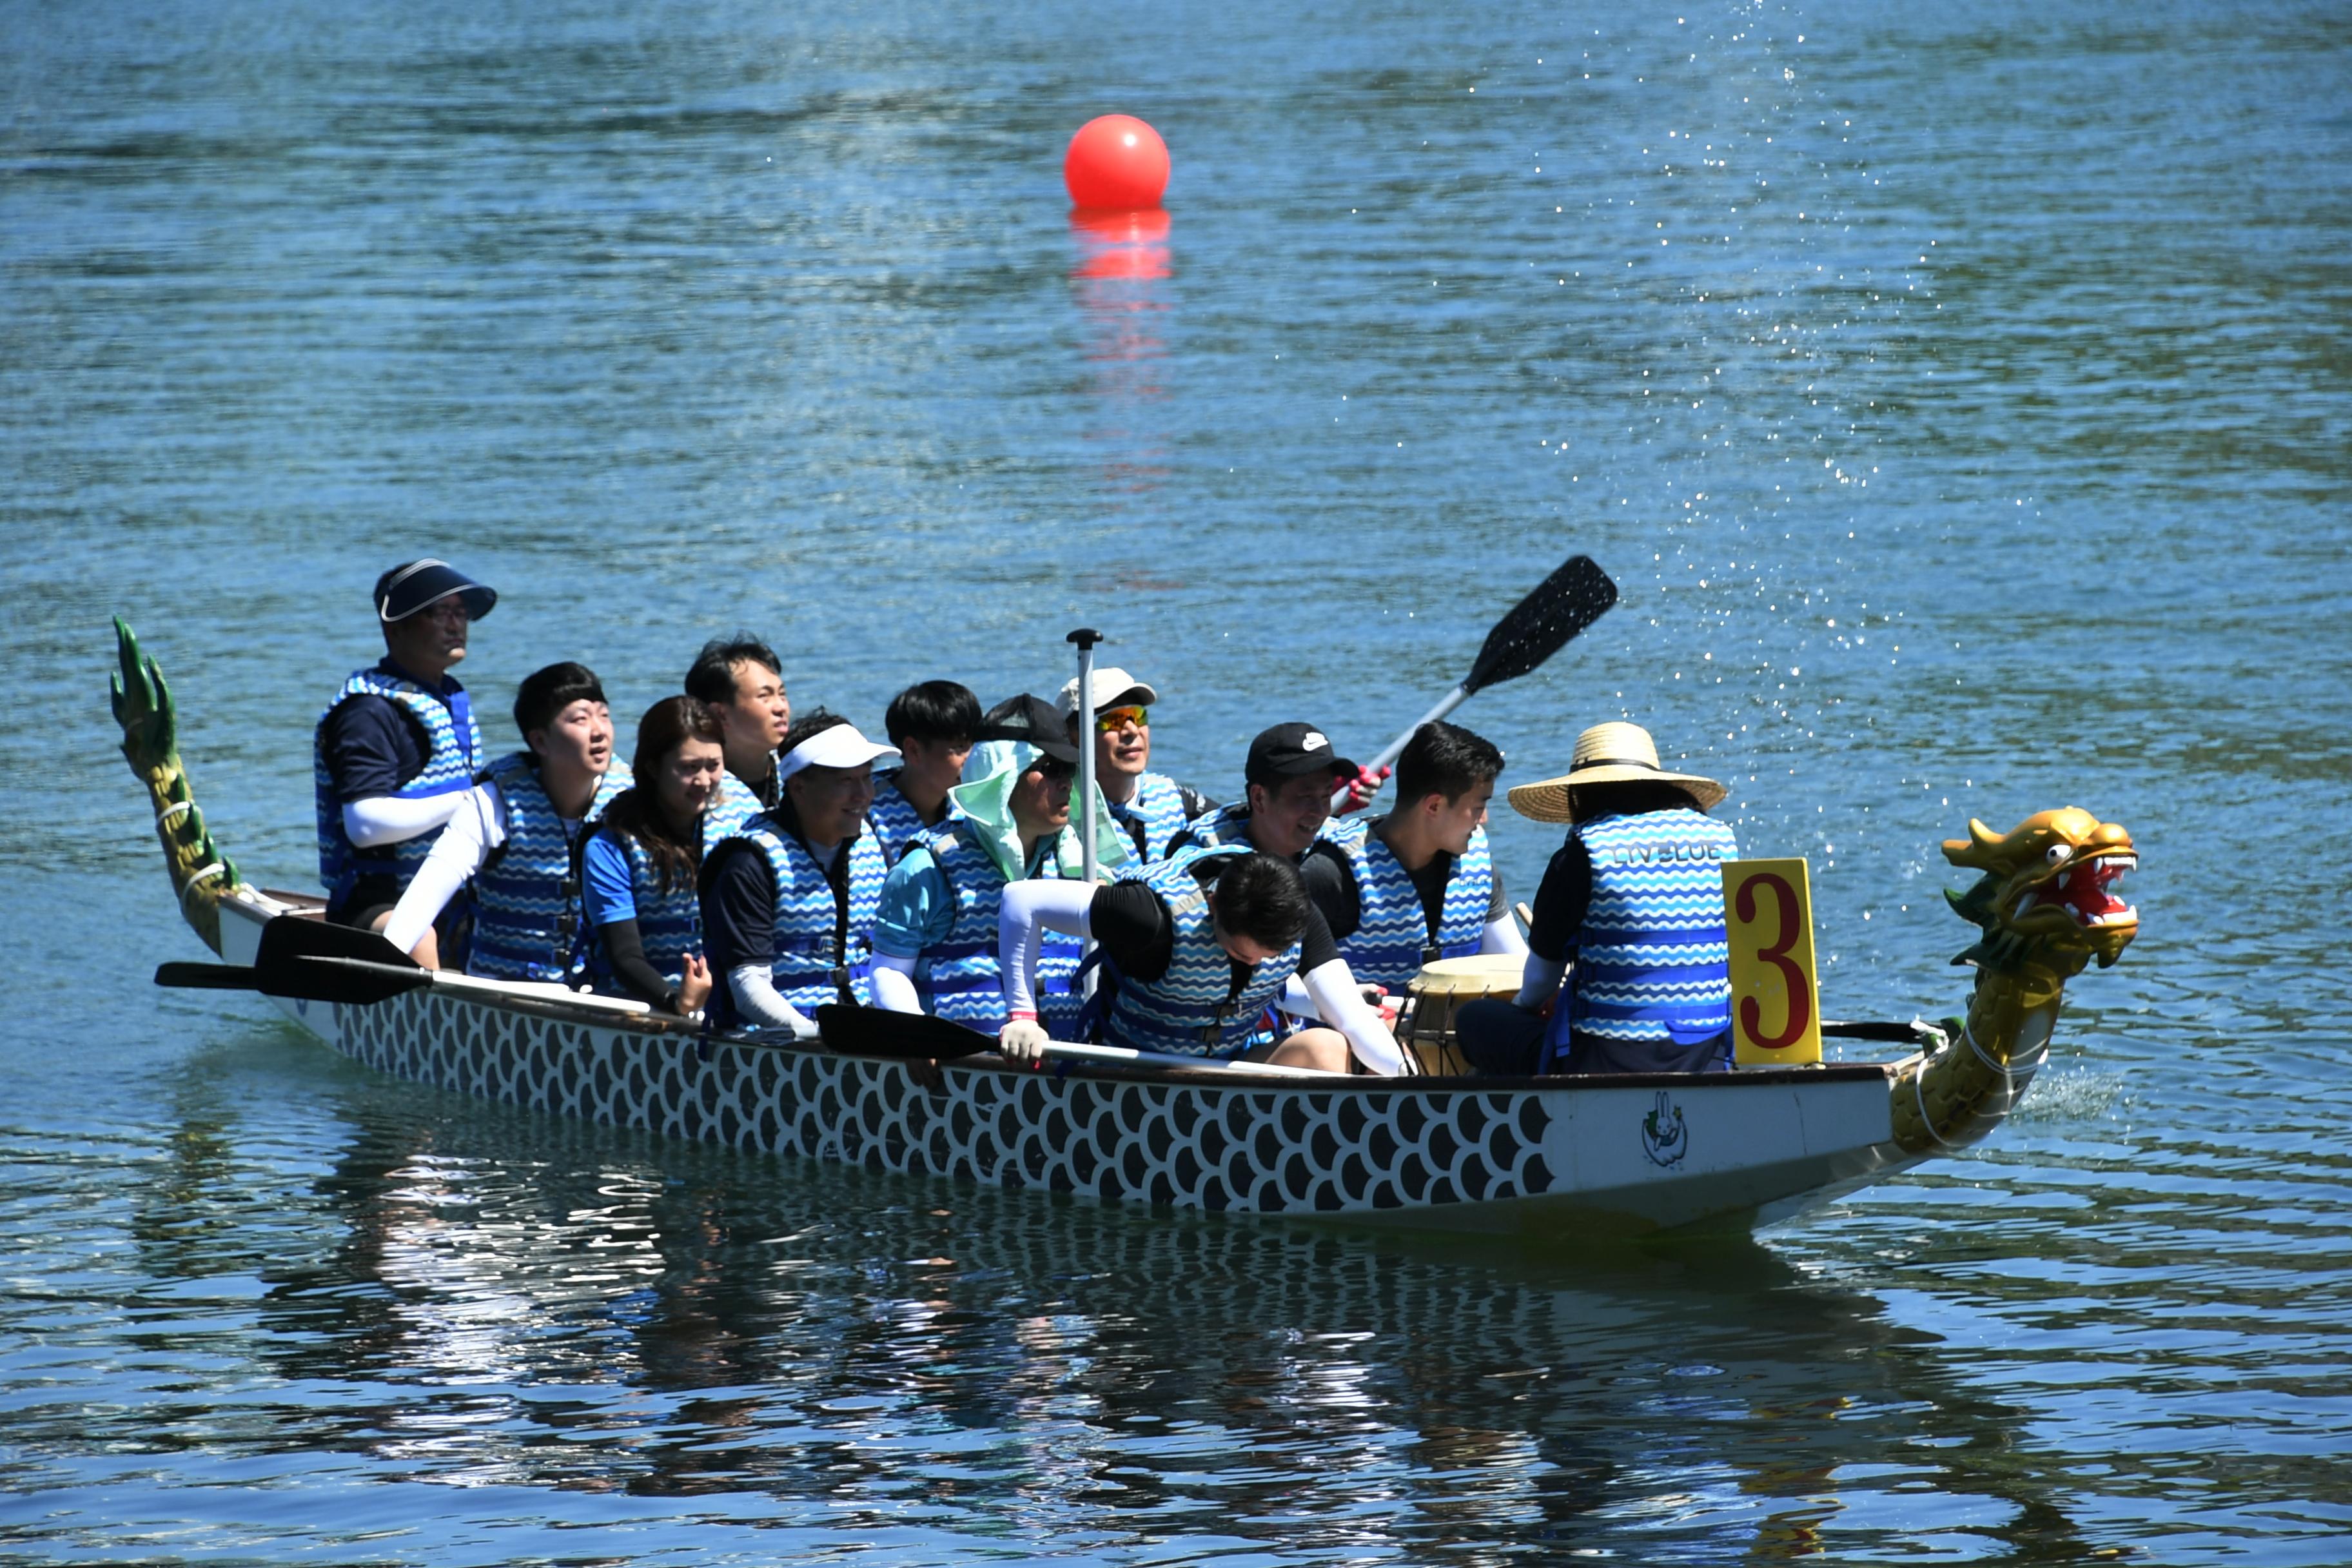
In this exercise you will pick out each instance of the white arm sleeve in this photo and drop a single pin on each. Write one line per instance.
(753, 986)
(387, 819)
(1538, 983)
(893, 983)
(1340, 1002)
(476, 827)
(1502, 936)
(1028, 910)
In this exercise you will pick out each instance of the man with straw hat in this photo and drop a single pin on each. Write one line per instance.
(1630, 911)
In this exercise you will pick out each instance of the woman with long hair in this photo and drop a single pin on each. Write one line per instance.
(642, 864)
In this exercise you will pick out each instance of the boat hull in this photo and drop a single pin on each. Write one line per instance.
(1568, 1158)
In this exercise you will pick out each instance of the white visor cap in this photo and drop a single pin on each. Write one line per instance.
(840, 746)
(1112, 687)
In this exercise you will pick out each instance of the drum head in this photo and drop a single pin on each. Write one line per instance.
(1481, 973)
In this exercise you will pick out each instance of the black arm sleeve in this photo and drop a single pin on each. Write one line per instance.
(1498, 903)
(1331, 885)
(739, 908)
(1131, 923)
(624, 949)
(1560, 902)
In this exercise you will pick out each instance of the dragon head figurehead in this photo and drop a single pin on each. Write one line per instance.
(2046, 897)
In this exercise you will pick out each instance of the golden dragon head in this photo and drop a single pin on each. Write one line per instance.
(2045, 893)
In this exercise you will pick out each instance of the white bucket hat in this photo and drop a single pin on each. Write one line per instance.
(1614, 752)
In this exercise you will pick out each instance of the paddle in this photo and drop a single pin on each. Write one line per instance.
(1537, 627)
(918, 1037)
(310, 961)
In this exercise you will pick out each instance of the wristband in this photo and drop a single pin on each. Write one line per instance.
(1020, 1018)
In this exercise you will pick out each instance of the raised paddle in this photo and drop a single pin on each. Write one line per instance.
(918, 1037)
(1538, 627)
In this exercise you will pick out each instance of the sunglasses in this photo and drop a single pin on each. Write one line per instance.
(1053, 770)
(1113, 719)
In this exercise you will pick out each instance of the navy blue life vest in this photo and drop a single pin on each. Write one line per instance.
(1393, 937)
(1653, 956)
(963, 979)
(527, 905)
(820, 950)
(453, 758)
(669, 924)
(1194, 1009)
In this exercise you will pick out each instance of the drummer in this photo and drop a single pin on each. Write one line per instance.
(1195, 949)
(741, 681)
(397, 749)
(1420, 883)
(1150, 808)
(1633, 901)
(933, 724)
(514, 841)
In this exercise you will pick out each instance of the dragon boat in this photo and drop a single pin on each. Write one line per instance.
(1566, 1158)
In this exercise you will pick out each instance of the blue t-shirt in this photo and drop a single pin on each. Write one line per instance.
(611, 896)
(918, 907)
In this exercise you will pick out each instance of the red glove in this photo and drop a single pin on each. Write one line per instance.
(1362, 787)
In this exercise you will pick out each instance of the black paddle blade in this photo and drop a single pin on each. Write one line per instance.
(1540, 625)
(354, 982)
(205, 977)
(289, 936)
(902, 1036)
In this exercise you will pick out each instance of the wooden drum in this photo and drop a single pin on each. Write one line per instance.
(1438, 992)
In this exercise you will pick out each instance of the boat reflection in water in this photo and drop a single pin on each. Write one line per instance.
(545, 1303)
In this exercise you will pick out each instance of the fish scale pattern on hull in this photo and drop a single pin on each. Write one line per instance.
(1265, 1151)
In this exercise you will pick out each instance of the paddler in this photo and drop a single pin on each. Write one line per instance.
(741, 679)
(935, 942)
(514, 840)
(933, 724)
(1150, 808)
(1288, 781)
(640, 866)
(789, 903)
(398, 748)
(1419, 883)
(1631, 911)
(1195, 949)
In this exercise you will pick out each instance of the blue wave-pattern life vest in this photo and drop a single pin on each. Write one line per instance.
(1192, 1009)
(527, 919)
(815, 955)
(1230, 825)
(1155, 810)
(963, 979)
(669, 924)
(896, 823)
(1653, 957)
(1392, 940)
(449, 767)
(735, 804)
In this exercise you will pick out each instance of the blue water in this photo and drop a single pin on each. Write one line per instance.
(1962, 397)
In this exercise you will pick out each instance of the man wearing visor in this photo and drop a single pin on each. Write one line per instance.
(1150, 808)
(789, 903)
(397, 748)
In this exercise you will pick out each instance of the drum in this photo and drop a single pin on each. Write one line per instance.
(1439, 991)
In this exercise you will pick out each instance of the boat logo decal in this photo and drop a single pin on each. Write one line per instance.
(1664, 1138)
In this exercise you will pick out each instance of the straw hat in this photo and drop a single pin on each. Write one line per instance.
(1607, 753)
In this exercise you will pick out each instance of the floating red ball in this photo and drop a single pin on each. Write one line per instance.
(1116, 161)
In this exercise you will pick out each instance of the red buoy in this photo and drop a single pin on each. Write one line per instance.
(1118, 161)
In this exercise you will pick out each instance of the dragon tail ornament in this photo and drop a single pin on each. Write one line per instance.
(2045, 909)
(200, 871)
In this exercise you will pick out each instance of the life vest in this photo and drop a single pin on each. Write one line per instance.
(1393, 937)
(1192, 1009)
(1230, 825)
(735, 804)
(1652, 958)
(1154, 815)
(527, 923)
(963, 979)
(669, 924)
(820, 950)
(896, 823)
(452, 760)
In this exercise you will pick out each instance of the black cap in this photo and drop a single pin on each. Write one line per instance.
(405, 590)
(1290, 751)
(1032, 719)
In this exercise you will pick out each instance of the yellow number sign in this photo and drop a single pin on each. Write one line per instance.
(1775, 1018)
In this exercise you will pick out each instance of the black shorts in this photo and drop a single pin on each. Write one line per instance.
(370, 899)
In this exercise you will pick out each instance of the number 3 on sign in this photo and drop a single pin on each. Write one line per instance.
(1768, 911)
